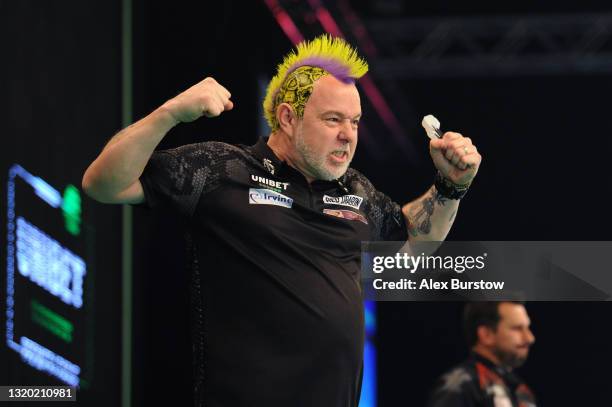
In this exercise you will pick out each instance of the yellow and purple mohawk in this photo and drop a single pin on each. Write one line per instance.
(296, 75)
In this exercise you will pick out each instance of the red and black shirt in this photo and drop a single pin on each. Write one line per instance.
(478, 382)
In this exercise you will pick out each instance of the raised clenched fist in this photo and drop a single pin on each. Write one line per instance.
(206, 98)
(455, 157)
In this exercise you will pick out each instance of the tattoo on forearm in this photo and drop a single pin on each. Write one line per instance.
(419, 215)
(441, 200)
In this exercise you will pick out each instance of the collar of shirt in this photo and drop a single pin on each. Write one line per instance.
(262, 151)
(512, 381)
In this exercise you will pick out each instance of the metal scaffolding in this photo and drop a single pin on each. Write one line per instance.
(492, 46)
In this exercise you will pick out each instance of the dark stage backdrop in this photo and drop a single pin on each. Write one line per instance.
(60, 87)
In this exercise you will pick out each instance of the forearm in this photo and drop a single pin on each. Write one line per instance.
(430, 217)
(125, 156)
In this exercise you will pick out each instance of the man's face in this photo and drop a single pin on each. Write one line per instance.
(326, 137)
(512, 339)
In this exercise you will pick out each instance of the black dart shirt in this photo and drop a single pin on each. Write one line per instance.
(278, 315)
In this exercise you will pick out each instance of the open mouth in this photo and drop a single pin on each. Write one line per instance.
(340, 156)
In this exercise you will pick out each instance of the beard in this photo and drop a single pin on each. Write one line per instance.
(510, 359)
(317, 164)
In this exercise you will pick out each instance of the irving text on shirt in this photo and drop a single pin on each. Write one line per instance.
(268, 197)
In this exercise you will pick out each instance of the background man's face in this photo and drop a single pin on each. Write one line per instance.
(512, 337)
(326, 137)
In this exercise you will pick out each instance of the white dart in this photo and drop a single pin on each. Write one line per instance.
(431, 126)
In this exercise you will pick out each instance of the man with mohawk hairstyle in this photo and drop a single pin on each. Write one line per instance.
(275, 229)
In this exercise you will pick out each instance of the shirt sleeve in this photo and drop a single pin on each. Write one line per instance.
(178, 177)
(385, 214)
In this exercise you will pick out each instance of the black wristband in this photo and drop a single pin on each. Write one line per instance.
(449, 189)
